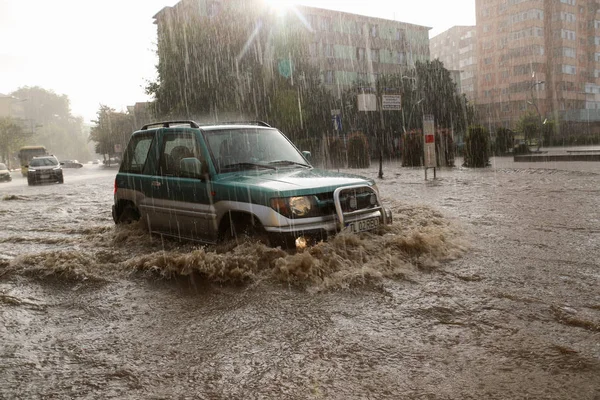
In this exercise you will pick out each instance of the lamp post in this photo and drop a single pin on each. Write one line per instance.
(534, 104)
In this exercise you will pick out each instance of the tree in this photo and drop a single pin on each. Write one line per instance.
(48, 120)
(529, 126)
(112, 128)
(505, 139)
(12, 136)
(477, 147)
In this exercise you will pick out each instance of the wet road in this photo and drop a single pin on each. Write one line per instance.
(486, 286)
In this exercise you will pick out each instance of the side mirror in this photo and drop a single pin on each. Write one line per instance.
(307, 155)
(191, 167)
(62, 163)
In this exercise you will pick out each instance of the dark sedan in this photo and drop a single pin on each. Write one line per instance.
(71, 164)
(44, 169)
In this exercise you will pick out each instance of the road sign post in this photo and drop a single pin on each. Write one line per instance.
(429, 159)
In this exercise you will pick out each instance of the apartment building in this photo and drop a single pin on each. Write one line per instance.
(538, 55)
(346, 47)
(457, 49)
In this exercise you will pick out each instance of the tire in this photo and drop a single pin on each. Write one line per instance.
(240, 231)
(128, 214)
(61, 180)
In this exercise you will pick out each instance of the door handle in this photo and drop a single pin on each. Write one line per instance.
(155, 184)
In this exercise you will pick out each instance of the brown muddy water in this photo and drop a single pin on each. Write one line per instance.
(486, 286)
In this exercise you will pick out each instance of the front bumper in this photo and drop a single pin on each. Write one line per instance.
(5, 178)
(44, 176)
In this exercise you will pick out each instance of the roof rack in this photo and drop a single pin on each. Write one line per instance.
(167, 124)
(259, 123)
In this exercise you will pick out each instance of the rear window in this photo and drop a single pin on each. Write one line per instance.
(137, 153)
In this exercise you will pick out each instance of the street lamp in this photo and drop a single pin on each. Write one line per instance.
(533, 103)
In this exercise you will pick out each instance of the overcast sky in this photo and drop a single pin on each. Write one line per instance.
(103, 52)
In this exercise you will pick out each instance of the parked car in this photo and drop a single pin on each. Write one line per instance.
(71, 164)
(44, 169)
(4, 173)
(212, 183)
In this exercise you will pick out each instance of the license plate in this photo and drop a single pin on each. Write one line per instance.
(362, 225)
(45, 176)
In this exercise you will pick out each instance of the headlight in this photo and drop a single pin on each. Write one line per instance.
(294, 207)
(31, 170)
(56, 168)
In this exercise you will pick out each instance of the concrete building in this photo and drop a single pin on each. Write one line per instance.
(457, 49)
(346, 47)
(541, 56)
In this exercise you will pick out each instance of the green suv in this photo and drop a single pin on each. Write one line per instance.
(214, 182)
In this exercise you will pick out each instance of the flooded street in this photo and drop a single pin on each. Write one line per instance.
(486, 286)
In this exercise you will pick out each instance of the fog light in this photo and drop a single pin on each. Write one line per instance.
(301, 243)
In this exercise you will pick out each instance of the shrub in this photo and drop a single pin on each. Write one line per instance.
(412, 149)
(477, 147)
(337, 153)
(504, 141)
(358, 151)
(444, 148)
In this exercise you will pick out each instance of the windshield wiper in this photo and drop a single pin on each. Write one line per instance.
(287, 162)
(246, 165)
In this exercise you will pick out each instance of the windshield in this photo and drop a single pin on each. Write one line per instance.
(2, 166)
(43, 162)
(250, 148)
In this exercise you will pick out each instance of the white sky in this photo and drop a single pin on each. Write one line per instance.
(103, 52)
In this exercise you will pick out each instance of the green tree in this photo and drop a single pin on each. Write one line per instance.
(505, 139)
(477, 147)
(12, 136)
(48, 119)
(112, 128)
(529, 126)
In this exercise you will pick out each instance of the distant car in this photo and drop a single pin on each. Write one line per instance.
(4, 174)
(44, 169)
(71, 164)
(96, 162)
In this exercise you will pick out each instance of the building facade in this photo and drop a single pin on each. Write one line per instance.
(457, 49)
(541, 56)
(347, 48)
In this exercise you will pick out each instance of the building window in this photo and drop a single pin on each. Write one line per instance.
(313, 49)
(565, 52)
(325, 24)
(313, 21)
(374, 55)
(328, 77)
(374, 30)
(361, 77)
(400, 34)
(597, 57)
(328, 50)
(487, 60)
(567, 34)
(570, 2)
(569, 69)
(360, 54)
(400, 58)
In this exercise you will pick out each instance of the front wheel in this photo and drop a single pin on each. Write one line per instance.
(129, 213)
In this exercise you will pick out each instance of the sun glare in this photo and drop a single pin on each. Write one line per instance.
(279, 6)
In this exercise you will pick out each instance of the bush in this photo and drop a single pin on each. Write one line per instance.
(337, 153)
(504, 141)
(477, 147)
(412, 149)
(358, 151)
(444, 148)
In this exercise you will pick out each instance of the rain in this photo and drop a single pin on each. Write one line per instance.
(311, 200)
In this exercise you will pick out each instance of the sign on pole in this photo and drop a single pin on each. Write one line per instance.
(367, 102)
(391, 102)
(429, 139)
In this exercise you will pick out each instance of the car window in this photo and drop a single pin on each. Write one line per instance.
(137, 154)
(177, 146)
(2, 166)
(230, 147)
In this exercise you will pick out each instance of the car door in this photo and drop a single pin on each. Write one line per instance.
(182, 200)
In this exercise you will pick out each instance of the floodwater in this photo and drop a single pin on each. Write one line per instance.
(486, 286)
